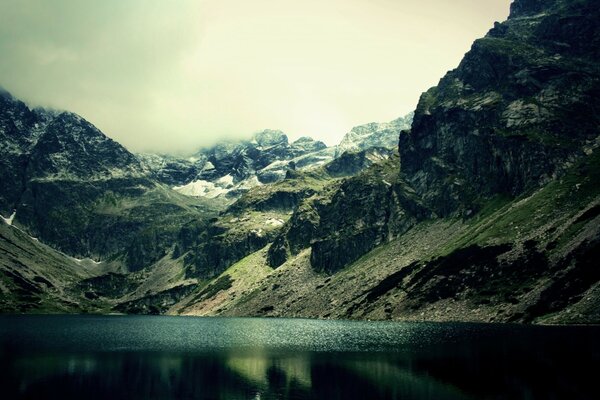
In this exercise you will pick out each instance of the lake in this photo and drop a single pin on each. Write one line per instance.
(88, 357)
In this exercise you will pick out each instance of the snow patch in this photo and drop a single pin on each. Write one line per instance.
(257, 232)
(208, 166)
(274, 222)
(226, 180)
(201, 188)
(220, 187)
(80, 260)
(9, 220)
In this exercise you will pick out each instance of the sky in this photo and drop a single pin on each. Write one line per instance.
(172, 76)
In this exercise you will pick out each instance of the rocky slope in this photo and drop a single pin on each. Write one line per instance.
(501, 265)
(35, 277)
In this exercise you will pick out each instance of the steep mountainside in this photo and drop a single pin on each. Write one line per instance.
(520, 107)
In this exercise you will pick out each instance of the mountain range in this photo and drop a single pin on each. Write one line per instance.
(482, 205)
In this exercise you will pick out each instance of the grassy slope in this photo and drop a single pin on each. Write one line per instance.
(36, 278)
(552, 222)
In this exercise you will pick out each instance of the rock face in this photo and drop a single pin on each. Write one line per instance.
(350, 219)
(170, 170)
(373, 135)
(351, 163)
(20, 129)
(268, 150)
(521, 103)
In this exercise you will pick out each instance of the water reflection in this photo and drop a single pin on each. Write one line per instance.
(55, 358)
(213, 376)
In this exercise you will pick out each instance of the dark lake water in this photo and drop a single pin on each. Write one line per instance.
(132, 357)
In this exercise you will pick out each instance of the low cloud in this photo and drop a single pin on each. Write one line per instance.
(171, 76)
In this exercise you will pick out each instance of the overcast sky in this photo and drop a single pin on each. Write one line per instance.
(171, 76)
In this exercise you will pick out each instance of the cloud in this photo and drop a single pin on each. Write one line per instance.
(174, 75)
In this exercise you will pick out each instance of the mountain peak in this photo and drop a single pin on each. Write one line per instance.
(374, 134)
(270, 137)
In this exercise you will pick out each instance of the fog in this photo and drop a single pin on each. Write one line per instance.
(171, 76)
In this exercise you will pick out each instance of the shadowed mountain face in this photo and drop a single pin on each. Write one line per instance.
(521, 105)
(488, 212)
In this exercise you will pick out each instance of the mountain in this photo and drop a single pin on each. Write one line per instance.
(489, 209)
(375, 134)
(229, 169)
(490, 212)
(66, 183)
(518, 110)
(83, 196)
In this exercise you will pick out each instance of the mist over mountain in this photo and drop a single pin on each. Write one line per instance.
(160, 77)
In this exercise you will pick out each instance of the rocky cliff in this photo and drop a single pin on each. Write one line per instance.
(520, 106)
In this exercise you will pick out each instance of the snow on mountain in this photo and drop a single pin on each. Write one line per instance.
(222, 187)
(10, 219)
(374, 134)
(228, 168)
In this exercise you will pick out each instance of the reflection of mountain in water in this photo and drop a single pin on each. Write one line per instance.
(301, 376)
(230, 358)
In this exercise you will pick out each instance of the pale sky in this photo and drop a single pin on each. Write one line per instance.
(171, 76)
